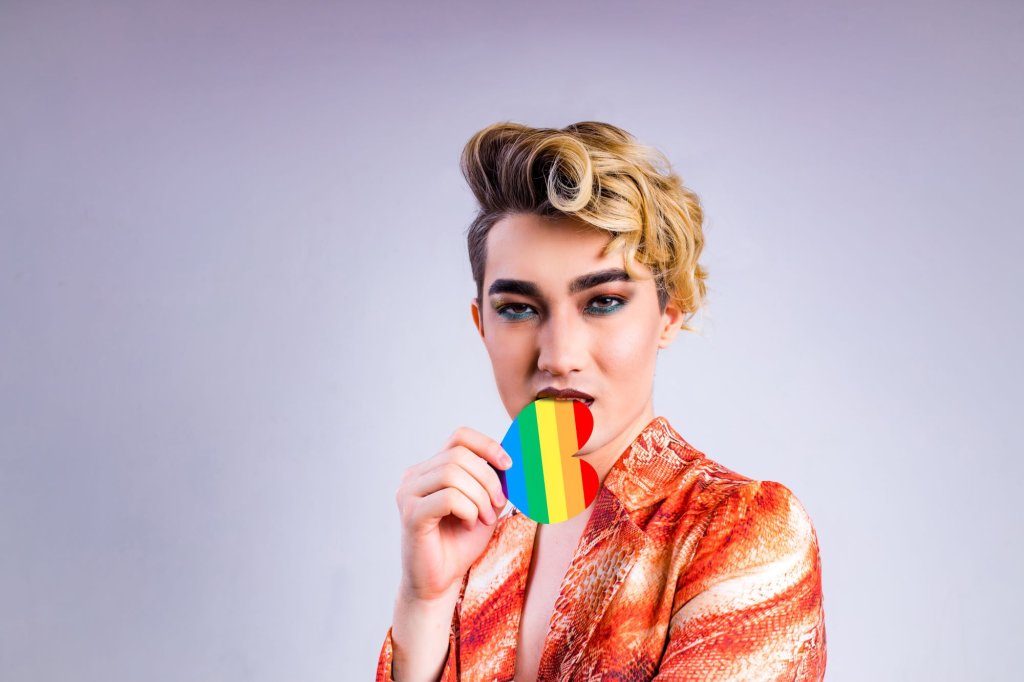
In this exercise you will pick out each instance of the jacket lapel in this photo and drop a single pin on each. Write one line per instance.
(492, 602)
(611, 543)
(608, 548)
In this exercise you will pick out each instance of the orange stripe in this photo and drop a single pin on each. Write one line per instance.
(571, 475)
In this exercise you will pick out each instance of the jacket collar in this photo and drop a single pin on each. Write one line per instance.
(644, 472)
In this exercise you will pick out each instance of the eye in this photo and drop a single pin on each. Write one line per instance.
(606, 304)
(514, 311)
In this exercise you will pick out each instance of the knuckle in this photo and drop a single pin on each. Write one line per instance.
(462, 455)
(463, 503)
(447, 474)
(452, 463)
(484, 490)
(456, 457)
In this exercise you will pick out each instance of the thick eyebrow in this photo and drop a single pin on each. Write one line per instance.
(581, 283)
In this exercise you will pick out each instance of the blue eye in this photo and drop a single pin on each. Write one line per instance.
(521, 311)
(616, 303)
(504, 311)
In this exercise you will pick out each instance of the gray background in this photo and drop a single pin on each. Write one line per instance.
(234, 305)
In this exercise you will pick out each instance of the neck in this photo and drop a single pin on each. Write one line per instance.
(604, 458)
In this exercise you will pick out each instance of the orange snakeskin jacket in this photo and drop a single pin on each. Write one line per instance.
(685, 570)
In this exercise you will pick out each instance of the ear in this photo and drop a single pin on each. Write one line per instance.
(477, 317)
(671, 321)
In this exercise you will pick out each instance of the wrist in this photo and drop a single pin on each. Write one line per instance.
(442, 600)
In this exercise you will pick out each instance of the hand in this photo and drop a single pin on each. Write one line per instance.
(449, 506)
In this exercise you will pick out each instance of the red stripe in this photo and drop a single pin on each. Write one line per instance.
(584, 422)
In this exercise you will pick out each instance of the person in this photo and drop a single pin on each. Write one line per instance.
(585, 257)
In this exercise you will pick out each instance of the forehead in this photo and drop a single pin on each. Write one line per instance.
(548, 251)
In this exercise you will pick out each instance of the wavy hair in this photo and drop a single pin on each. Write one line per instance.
(599, 174)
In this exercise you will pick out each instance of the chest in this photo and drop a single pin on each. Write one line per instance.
(552, 553)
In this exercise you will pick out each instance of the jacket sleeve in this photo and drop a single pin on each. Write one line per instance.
(448, 674)
(750, 605)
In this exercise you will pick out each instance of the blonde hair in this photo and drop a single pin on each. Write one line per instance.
(597, 173)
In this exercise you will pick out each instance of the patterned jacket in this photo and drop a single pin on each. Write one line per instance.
(685, 570)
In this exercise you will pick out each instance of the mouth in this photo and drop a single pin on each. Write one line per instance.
(566, 394)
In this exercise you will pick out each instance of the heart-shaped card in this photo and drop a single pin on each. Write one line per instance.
(545, 481)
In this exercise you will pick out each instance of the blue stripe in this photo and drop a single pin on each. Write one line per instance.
(515, 475)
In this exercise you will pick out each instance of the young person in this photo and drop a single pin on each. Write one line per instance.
(585, 258)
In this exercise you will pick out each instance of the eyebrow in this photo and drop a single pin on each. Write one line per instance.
(581, 283)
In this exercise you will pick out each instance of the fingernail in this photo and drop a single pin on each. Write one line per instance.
(506, 460)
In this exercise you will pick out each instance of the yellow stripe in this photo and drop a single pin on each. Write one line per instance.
(570, 465)
(547, 430)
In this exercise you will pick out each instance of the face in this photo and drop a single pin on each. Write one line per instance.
(557, 314)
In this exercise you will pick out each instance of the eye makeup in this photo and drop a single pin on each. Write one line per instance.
(516, 311)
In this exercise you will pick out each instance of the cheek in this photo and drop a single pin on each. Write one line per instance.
(508, 351)
(629, 348)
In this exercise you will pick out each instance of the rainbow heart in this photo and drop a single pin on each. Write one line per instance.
(545, 481)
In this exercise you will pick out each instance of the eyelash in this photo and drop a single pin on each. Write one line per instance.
(516, 317)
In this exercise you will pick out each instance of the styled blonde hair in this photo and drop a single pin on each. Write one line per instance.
(597, 173)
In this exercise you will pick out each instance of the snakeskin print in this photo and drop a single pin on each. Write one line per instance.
(686, 570)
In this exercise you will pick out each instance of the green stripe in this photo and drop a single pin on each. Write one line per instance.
(529, 441)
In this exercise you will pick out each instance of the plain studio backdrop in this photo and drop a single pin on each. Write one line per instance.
(234, 305)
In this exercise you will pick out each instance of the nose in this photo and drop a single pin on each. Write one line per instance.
(562, 344)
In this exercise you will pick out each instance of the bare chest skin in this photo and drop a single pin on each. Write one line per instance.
(553, 549)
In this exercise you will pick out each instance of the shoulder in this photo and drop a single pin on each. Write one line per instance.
(732, 520)
(733, 503)
(765, 514)
(767, 504)
(756, 527)
(752, 584)
(684, 498)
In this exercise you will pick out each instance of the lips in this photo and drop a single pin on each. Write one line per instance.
(566, 394)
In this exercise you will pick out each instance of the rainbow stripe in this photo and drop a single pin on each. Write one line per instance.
(545, 481)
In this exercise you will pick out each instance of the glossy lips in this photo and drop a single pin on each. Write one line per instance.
(545, 481)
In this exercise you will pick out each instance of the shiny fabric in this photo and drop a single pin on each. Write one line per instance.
(686, 570)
